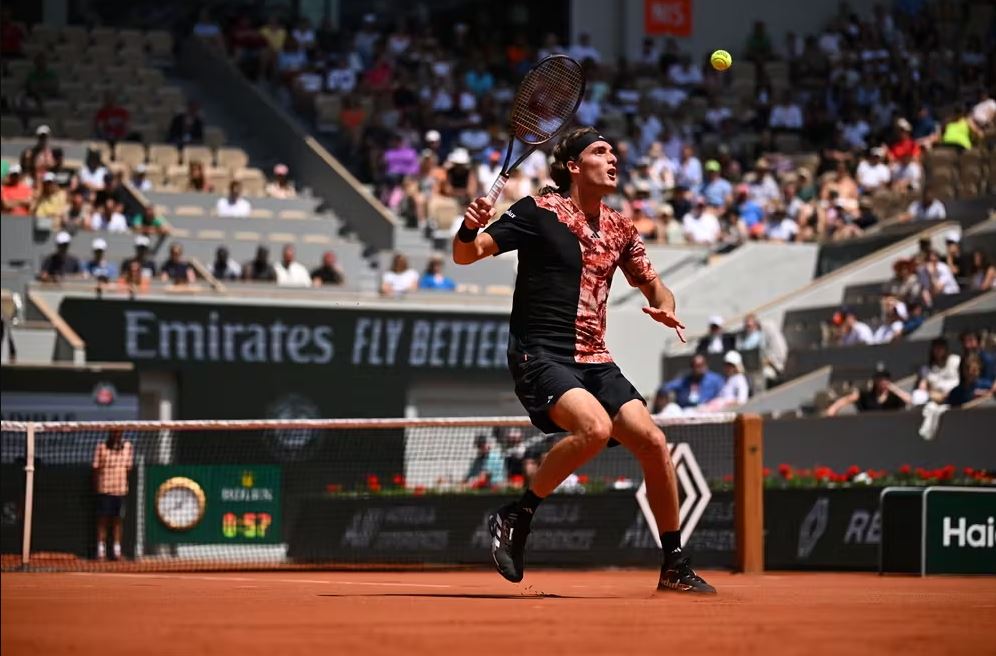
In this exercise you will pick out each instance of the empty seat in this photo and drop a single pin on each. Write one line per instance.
(219, 178)
(260, 213)
(165, 155)
(10, 126)
(176, 177)
(214, 137)
(131, 39)
(200, 154)
(189, 210)
(252, 181)
(130, 153)
(232, 158)
(293, 214)
(159, 44)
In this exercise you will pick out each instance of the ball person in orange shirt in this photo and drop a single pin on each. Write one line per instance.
(112, 460)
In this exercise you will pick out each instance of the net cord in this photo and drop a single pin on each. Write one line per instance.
(332, 424)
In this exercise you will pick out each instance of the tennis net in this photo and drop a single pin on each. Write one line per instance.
(354, 493)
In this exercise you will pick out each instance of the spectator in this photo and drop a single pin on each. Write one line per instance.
(42, 154)
(133, 279)
(983, 114)
(280, 186)
(971, 385)
(400, 279)
(940, 375)
(176, 269)
(11, 35)
(93, 173)
(329, 273)
(488, 467)
(958, 131)
(928, 208)
(140, 179)
(233, 205)
(786, 115)
(853, 331)
(971, 344)
(735, 391)
(99, 267)
(905, 146)
(290, 272)
(881, 395)
(208, 31)
(751, 337)
(50, 202)
(759, 48)
(433, 278)
(107, 217)
(696, 387)
(61, 263)
(893, 315)
(583, 50)
(905, 283)
(77, 214)
(915, 319)
(224, 267)
(146, 267)
(149, 222)
(701, 224)
(342, 79)
(872, 172)
(112, 121)
(197, 178)
(778, 227)
(114, 190)
(187, 127)
(274, 34)
(259, 268)
(981, 273)
(645, 225)
(716, 341)
(16, 194)
(112, 460)
(936, 277)
(907, 175)
(670, 229)
(689, 172)
(65, 177)
(716, 190)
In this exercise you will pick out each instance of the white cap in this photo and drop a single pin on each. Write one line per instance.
(459, 156)
(433, 135)
(715, 320)
(952, 235)
(14, 168)
(903, 124)
(42, 129)
(48, 177)
(63, 238)
(734, 358)
(99, 244)
(142, 240)
(141, 168)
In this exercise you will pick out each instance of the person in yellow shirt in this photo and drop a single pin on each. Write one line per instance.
(112, 460)
(959, 131)
(51, 201)
(275, 34)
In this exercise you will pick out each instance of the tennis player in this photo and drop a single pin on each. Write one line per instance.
(570, 244)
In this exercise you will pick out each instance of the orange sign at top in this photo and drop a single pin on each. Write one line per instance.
(667, 17)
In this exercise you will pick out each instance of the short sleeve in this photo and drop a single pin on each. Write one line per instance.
(129, 455)
(97, 456)
(516, 227)
(635, 263)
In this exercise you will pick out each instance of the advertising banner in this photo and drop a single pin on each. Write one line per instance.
(959, 536)
(63, 394)
(667, 17)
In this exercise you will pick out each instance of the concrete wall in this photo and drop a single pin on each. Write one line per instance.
(618, 28)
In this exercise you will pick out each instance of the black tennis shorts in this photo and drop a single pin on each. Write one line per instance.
(110, 505)
(540, 382)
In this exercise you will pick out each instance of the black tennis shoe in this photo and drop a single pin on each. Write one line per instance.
(677, 575)
(509, 528)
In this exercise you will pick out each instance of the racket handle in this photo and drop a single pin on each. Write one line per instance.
(496, 189)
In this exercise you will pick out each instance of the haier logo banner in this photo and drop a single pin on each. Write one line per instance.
(960, 533)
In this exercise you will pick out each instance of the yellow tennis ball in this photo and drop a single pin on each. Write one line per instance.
(721, 60)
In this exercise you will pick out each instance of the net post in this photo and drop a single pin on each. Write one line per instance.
(749, 493)
(29, 492)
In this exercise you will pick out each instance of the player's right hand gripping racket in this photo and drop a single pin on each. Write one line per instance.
(545, 102)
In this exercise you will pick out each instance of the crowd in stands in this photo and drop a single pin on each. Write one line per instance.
(704, 157)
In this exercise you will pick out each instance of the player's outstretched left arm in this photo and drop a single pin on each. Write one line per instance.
(662, 307)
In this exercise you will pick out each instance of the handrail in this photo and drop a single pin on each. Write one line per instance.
(209, 277)
(61, 327)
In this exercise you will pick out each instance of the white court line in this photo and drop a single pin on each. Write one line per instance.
(245, 579)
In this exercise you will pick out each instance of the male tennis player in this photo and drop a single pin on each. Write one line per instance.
(570, 244)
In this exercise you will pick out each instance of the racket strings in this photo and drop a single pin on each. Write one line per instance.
(547, 99)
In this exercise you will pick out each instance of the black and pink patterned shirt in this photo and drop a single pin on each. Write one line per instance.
(565, 271)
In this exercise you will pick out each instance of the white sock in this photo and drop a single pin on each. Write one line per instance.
(101, 550)
(117, 549)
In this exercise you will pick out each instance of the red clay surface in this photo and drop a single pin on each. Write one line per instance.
(456, 613)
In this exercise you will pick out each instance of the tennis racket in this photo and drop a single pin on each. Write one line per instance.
(544, 104)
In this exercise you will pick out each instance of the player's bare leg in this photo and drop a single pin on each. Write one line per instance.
(636, 430)
(101, 537)
(589, 426)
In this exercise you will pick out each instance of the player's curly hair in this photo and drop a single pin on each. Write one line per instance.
(561, 155)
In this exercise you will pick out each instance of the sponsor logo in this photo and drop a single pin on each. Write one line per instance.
(813, 527)
(959, 533)
(104, 394)
(397, 528)
(692, 485)
(864, 528)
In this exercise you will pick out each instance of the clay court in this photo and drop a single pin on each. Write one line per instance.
(557, 612)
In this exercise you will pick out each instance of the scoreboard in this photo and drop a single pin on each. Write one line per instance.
(213, 504)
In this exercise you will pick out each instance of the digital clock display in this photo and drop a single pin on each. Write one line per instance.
(248, 525)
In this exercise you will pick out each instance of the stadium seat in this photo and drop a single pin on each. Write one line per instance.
(131, 39)
(292, 214)
(252, 180)
(43, 34)
(219, 177)
(163, 154)
(129, 153)
(201, 154)
(160, 44)
(189, 210)
(260, 213)
(232, 158)
(10, 126)
(214, 137)
(176, 176)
